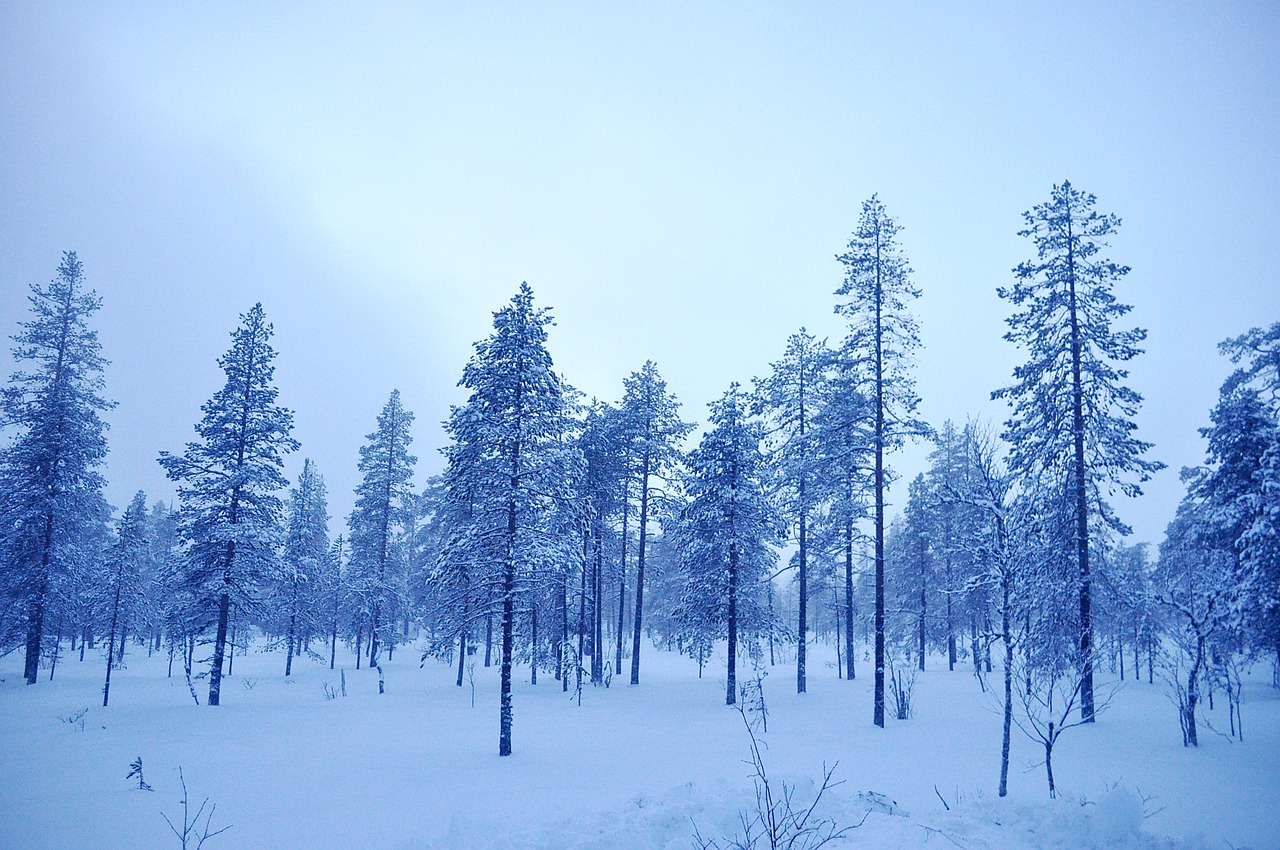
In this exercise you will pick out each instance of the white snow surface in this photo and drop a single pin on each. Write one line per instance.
(632, 767)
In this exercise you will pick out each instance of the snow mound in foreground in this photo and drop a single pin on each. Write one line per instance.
(667, 822)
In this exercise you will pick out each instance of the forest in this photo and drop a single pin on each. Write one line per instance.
(568, 538)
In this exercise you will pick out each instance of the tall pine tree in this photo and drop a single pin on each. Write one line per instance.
(1072, 421)
(381, 509)
(512, 428)
(50, 487)
(652, 431)
(788, 397)
(883, 336)
(227, 484)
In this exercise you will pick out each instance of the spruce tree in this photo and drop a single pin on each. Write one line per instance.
(228, 479)
(50, 486)
(1072, 421)
(883, 336)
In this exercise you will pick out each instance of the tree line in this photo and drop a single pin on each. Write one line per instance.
(567, 534)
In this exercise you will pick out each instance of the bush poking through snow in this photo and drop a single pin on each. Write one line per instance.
(135, 769)
(779, 821)
(76, 718)
(192, 835)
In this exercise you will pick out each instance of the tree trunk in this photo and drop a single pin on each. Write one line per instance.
(644, 520)
(219, 648)
(878, 708)
(462, 652)
(803, 631)
(1082, 505)
(288, 659)
(622, 579)
(1048, 762)
(111, 642)
(488, 638)
(848, 598)
(1006, 624)
(731, 686)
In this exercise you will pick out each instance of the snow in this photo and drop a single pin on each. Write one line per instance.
(633, 767)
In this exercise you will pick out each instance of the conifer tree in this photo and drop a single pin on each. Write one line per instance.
(381, 509)
(652, 431)
(302, 564)
(512, 431)
(126, 561)
(49, 480)
(227, 484)
(1072, 420)
(843, 426)
(788, 397)
(725, 534)
(882, 338)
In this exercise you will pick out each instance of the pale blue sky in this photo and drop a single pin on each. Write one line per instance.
(674, 180)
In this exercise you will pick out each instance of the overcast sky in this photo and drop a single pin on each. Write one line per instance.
(674, 180)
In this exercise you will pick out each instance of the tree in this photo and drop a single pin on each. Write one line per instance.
(302, 567)
(52, 490)
(512, 429)
(843, 432)
(1072, 419)
(652, 431)
(724, 533)
(1240, 486)
(789, 399)
(227, 483)
(882, 338)
(125, 565)
(380, 508)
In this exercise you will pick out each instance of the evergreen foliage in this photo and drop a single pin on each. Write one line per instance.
(227, 483)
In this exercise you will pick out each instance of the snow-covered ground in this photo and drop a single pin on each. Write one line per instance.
(632, 767)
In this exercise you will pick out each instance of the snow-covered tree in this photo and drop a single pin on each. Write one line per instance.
(50, 487)
(651, 431)
(883, 337)
(299, 609)
(1072, 421)
(844, 430)
(377, 558)
(725, 534)
(122, 587)
(512, 428)
(789, 400)
(228, 479)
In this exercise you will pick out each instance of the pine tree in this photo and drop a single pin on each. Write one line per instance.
(725, 534)
(511, 430)
(302, 564)
(126, 563)
(1073, 378)
(789, 399)
(652, 431)
(49, 472)
(380, 509)
(882, 338)
(843, 428)
(227, 483)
